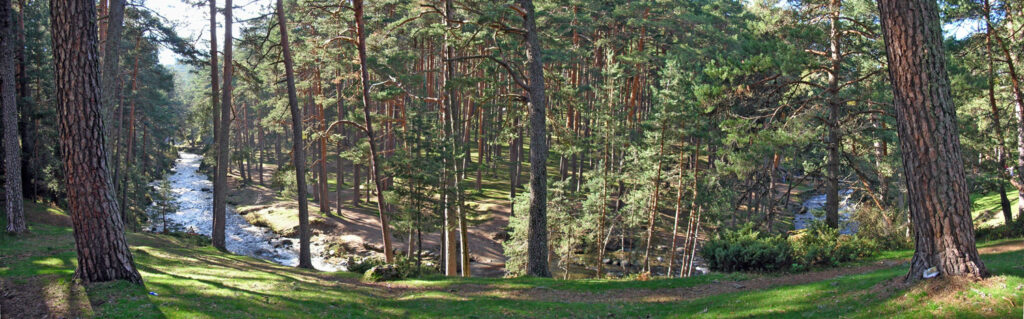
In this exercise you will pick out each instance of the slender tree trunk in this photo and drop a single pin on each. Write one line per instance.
(355, 184)
(602, 243)
(654, 200)
(223, 147)
(100, 243)
(449, 170)
(130, 149)
(679, 208)
(832, 167)
(1004, 201)
(259, 146)
(940, 209)
(218, 221)
(109, 82)
(341, 132)
(692, 221)
(299, 156)
(325, 201)
(13, 195)
(364, 79)
(1018, 99)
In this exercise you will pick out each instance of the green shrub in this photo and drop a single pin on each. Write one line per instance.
(820, 245)
(887, 228)
(375, 269)
(1013, 230)
(365, 264)
(746, 249)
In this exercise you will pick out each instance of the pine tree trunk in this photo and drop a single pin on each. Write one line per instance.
(111, 51)
(1004, 200)
(364, 78)
(940, 209)
(103, 253)
(299, 157)
(13, 195)
(679, 208)
(223, 148)
(654, 200)
(218, 223)
(130, 148)
(832, 167)
(537, 245)
(341, 132)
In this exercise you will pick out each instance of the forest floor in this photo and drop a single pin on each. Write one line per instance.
(188, 280)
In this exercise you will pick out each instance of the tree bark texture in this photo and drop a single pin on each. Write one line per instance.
(13, 195)
(537, 245)
(940, 209)
(103, 253)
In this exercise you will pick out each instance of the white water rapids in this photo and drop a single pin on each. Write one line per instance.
(804, 218)
(192, 193)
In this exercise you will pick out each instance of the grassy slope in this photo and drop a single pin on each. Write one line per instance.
(199, 282)
(987, 209)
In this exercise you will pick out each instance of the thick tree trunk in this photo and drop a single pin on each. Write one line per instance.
(13, 195)
(940, 209)
(103, 253)
(364, 79)
(537, 245)
(298, 157)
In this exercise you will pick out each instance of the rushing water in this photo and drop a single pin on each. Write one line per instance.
(192, 194)
(846, 207)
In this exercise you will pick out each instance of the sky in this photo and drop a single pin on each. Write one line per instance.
(193, 23)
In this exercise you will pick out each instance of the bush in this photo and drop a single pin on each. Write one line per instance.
(375, 269)
(386, 272)
(887, 228)
(1014, 230)
(746, 249)
(821, 245)
(365, 264)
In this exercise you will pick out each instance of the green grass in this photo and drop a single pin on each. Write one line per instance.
(987, 209)
(199, 282)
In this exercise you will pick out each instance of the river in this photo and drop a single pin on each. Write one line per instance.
(805, 217)
(193, 197)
